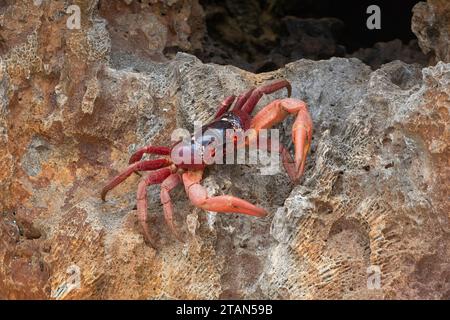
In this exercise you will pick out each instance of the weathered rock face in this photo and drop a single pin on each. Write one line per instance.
(372, 204)
(431, 24)
(152, 29)
(385, 52)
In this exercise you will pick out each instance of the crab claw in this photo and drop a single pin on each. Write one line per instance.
(276, 112)
(223, 204)
(301, 136)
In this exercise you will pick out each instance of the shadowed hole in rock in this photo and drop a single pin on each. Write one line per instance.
(355, 229)
(324, 207)
(338, 185)
(389, 165)
(405, 77)
(386, 141)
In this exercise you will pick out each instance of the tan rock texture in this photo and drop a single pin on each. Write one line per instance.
(431, 25)
(370, 218)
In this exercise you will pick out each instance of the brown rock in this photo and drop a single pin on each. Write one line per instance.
(142, 30)
(431, 24)
(373, 201)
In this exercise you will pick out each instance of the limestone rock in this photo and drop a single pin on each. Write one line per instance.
(152, 29)
(385, 52)
(370, 218)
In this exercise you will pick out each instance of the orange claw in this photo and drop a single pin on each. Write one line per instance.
(277, 111)
(199, 197)
(286, 158)
(301, 135)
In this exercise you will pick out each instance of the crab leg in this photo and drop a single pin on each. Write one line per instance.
(224, 106)
(168, 185)
(267, 89)
(155, 177)
(135, 157)
(138, 166)
(277, 111)
(199, 197)
(288, 163)
(242, 99)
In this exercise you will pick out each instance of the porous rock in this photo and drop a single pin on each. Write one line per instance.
(370, 218)
(431, 25)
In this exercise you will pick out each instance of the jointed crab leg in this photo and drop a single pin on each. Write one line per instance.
(163, 151)
(276, 112)
(243, 98)
(168, 185)
(199, 197)
(267, 89)
(137, 166)
(224, 106)
(155, 177)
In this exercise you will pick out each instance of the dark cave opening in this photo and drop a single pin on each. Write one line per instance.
(263, 35)
(395, 19)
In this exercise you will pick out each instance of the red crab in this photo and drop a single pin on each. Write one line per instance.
(169, 174)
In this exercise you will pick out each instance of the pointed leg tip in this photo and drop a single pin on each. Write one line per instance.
(262, 213)
(295, 180)
(175, 233)
(298, 168)
(148, 241)
(300, 173)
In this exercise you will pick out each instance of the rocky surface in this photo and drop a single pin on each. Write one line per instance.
(431, 24)
(385, 52)
(74, 105)
(152, 29)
